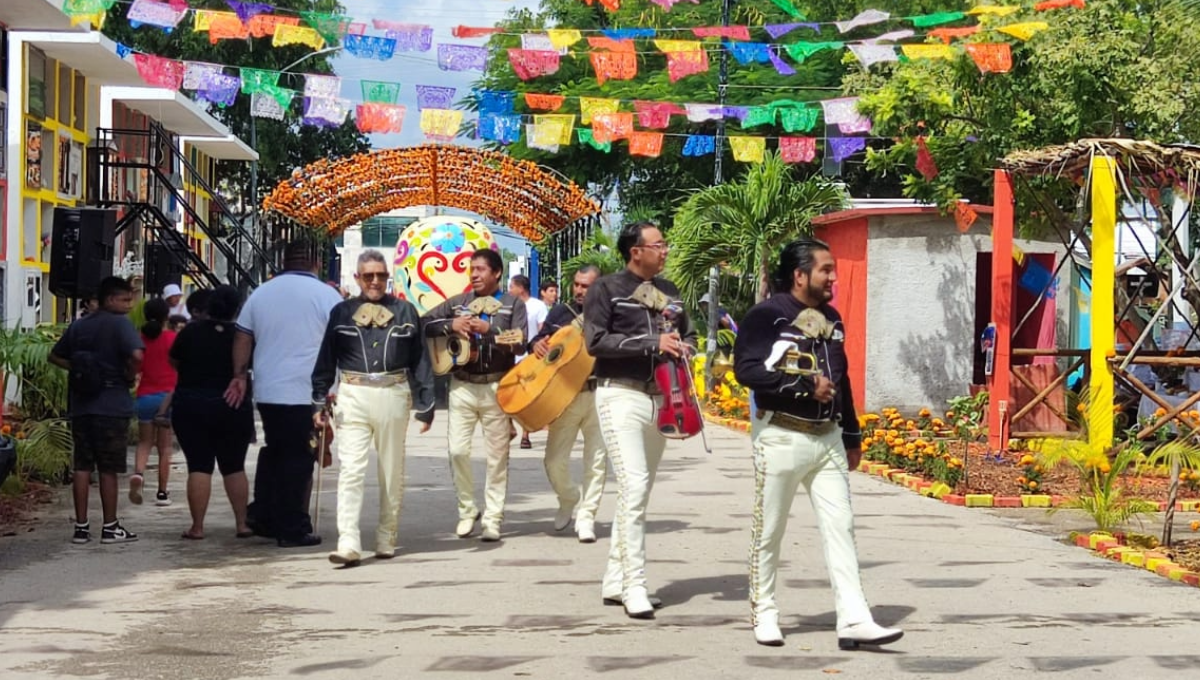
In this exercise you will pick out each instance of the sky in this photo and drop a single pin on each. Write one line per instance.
(420, 68)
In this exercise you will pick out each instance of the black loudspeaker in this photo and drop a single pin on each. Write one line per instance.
(81, 250)
(162, 266)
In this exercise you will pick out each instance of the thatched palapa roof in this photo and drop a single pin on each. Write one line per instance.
(1134, 158)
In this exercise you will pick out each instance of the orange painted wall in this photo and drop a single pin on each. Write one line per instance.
(848, 241)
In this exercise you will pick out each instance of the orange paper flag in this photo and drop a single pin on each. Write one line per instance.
(647, 144)
(544, 102)
(609, 127)
(614, 66)
(991, 57)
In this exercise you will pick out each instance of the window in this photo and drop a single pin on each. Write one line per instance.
(35, 98)
(79, 120)
(65, 82)
(50, 87)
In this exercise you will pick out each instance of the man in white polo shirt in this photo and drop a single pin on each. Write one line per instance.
(284, 321)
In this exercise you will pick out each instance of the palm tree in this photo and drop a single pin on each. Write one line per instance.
(599, 249)
(741, 225)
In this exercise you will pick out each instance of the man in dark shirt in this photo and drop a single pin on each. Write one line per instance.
(103, 353)
(493, 322)
(805, 431)
(375, 341)
(633, 320)
(579, 416)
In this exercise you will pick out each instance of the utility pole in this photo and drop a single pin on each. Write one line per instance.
(718, 178)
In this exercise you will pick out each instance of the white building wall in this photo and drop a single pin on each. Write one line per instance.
(921, 308)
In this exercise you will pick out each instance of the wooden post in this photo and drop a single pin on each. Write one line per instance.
(999, 383)
(1104, 222)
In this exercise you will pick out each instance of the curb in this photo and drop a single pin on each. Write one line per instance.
(1113, 547)
(731, 423)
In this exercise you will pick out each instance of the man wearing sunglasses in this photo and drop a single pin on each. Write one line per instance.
(375, 342)
(633, 321)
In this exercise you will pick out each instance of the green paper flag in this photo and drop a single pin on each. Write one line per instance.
(332, 27)
(798, 119)
(585, 137)
(74, 8)
(280, 94)
(758, 115)
(379, 92)
(257, 80)
(789, 9)
(803, 50)
(936, 18)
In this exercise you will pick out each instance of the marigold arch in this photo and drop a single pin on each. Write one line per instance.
(336, 194)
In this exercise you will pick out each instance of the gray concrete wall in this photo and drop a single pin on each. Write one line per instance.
(921, 308)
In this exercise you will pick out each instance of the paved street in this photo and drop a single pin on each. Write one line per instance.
(974, 592)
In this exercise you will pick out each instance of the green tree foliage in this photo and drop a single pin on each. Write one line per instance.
(1118, 68)
(740, 226)
(282, 145)
(662, 183)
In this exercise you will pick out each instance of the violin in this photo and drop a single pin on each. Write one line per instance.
(680, 416)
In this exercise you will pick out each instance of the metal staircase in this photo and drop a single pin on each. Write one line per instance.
(244, 257)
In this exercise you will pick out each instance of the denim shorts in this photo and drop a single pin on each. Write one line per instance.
(148, 405)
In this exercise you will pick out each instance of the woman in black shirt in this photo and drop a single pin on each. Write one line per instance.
(210, 433)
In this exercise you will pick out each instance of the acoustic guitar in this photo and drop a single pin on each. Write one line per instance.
(448, 353)
(537, 391)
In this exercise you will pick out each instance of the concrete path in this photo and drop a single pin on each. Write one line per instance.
(975, 594)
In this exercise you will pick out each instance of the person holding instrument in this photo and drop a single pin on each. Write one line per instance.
(579, 416)
(623, 316)
(805, 431)
(493, 323)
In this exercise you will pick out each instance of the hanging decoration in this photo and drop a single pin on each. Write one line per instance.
(648, 144)
(553, 130)
(325, 111)
(656, 115)
(991, 57)
(219, 89)
(501, 128)
(461, 57)
(408, 37)
(797, 149)
(247, 10)
(544, 102)
(590, 106)
(748, 149)
(925, 163)
(965, 216)
(699, 145)
(258, 80)
(934, 51)
(195, 72)
(263, 105)
(609, 127)
(864, 18)
(264, 25)
(562, 38)
(614, 66)
(873, 54)
(441, 124)
(293, 34)
(586, 138)
(844, 147)
(159, 72)
(435, 97)
(369, 47)
(325, 87)
(380, 92)
(529, 64)
(153, 13)
(843, 112)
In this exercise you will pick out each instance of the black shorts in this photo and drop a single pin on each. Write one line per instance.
(210, 433)
(101, 443)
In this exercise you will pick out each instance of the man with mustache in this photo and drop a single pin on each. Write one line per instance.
(375, 342)
(579, 416)
(480, 317)
(624, 316)
(804, 431)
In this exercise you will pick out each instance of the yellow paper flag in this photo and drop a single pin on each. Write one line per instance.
(994, 10)
(553, 130)
(563, 37)
(748, 149)
(678, 45)
(96, 20)
(590, 106)
(1018, 254)
(1024, 31)
(442, 123)
(297, 35)
(204, 19)
(927, 51)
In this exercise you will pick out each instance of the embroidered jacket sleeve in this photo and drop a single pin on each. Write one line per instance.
(325, 371)
(560, 315)
(438, 320)
(615, 325)
(420, 371)
(760, 330)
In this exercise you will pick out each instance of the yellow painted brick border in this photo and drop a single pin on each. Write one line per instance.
(1110, 546)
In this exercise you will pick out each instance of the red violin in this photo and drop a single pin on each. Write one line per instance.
(679, 417)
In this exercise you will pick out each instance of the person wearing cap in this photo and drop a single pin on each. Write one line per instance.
(173, 294)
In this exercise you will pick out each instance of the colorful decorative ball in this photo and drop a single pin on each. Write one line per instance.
(433, 259)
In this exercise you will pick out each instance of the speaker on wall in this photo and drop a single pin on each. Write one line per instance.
(81, 250)
(163, 265)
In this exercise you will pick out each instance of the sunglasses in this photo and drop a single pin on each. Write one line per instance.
(373, 276)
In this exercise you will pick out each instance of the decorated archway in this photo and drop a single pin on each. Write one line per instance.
(334, 195)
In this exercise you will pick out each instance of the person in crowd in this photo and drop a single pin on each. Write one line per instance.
(493, 323)
(173, 294)
(282, 325)
(203, 356)
(805, 432)
(579, 416)
(535, 316)
(102, 353)
(549, 293)
(153, 404)
(375, 344)
(724, 319)
(197, 304)
(633, 321)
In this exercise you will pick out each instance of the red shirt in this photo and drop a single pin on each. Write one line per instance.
(157, 374)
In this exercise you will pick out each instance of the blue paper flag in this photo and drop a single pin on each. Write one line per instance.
(699, 145)
(628, 33)
(1038, 280)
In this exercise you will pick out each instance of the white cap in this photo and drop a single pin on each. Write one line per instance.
(171, 290)
(705, 299)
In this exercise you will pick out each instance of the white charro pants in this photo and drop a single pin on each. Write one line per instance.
(471, 404)
(635, 447)
(370, 416)
(783, 460)
(580, 416)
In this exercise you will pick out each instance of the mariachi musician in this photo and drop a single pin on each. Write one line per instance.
(791, 352)
(493, 323)
(629, 332)
(579, 416)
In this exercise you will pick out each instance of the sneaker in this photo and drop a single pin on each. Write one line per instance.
(83, 533)
(162, 499)
(135, 488)
(115, 533)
